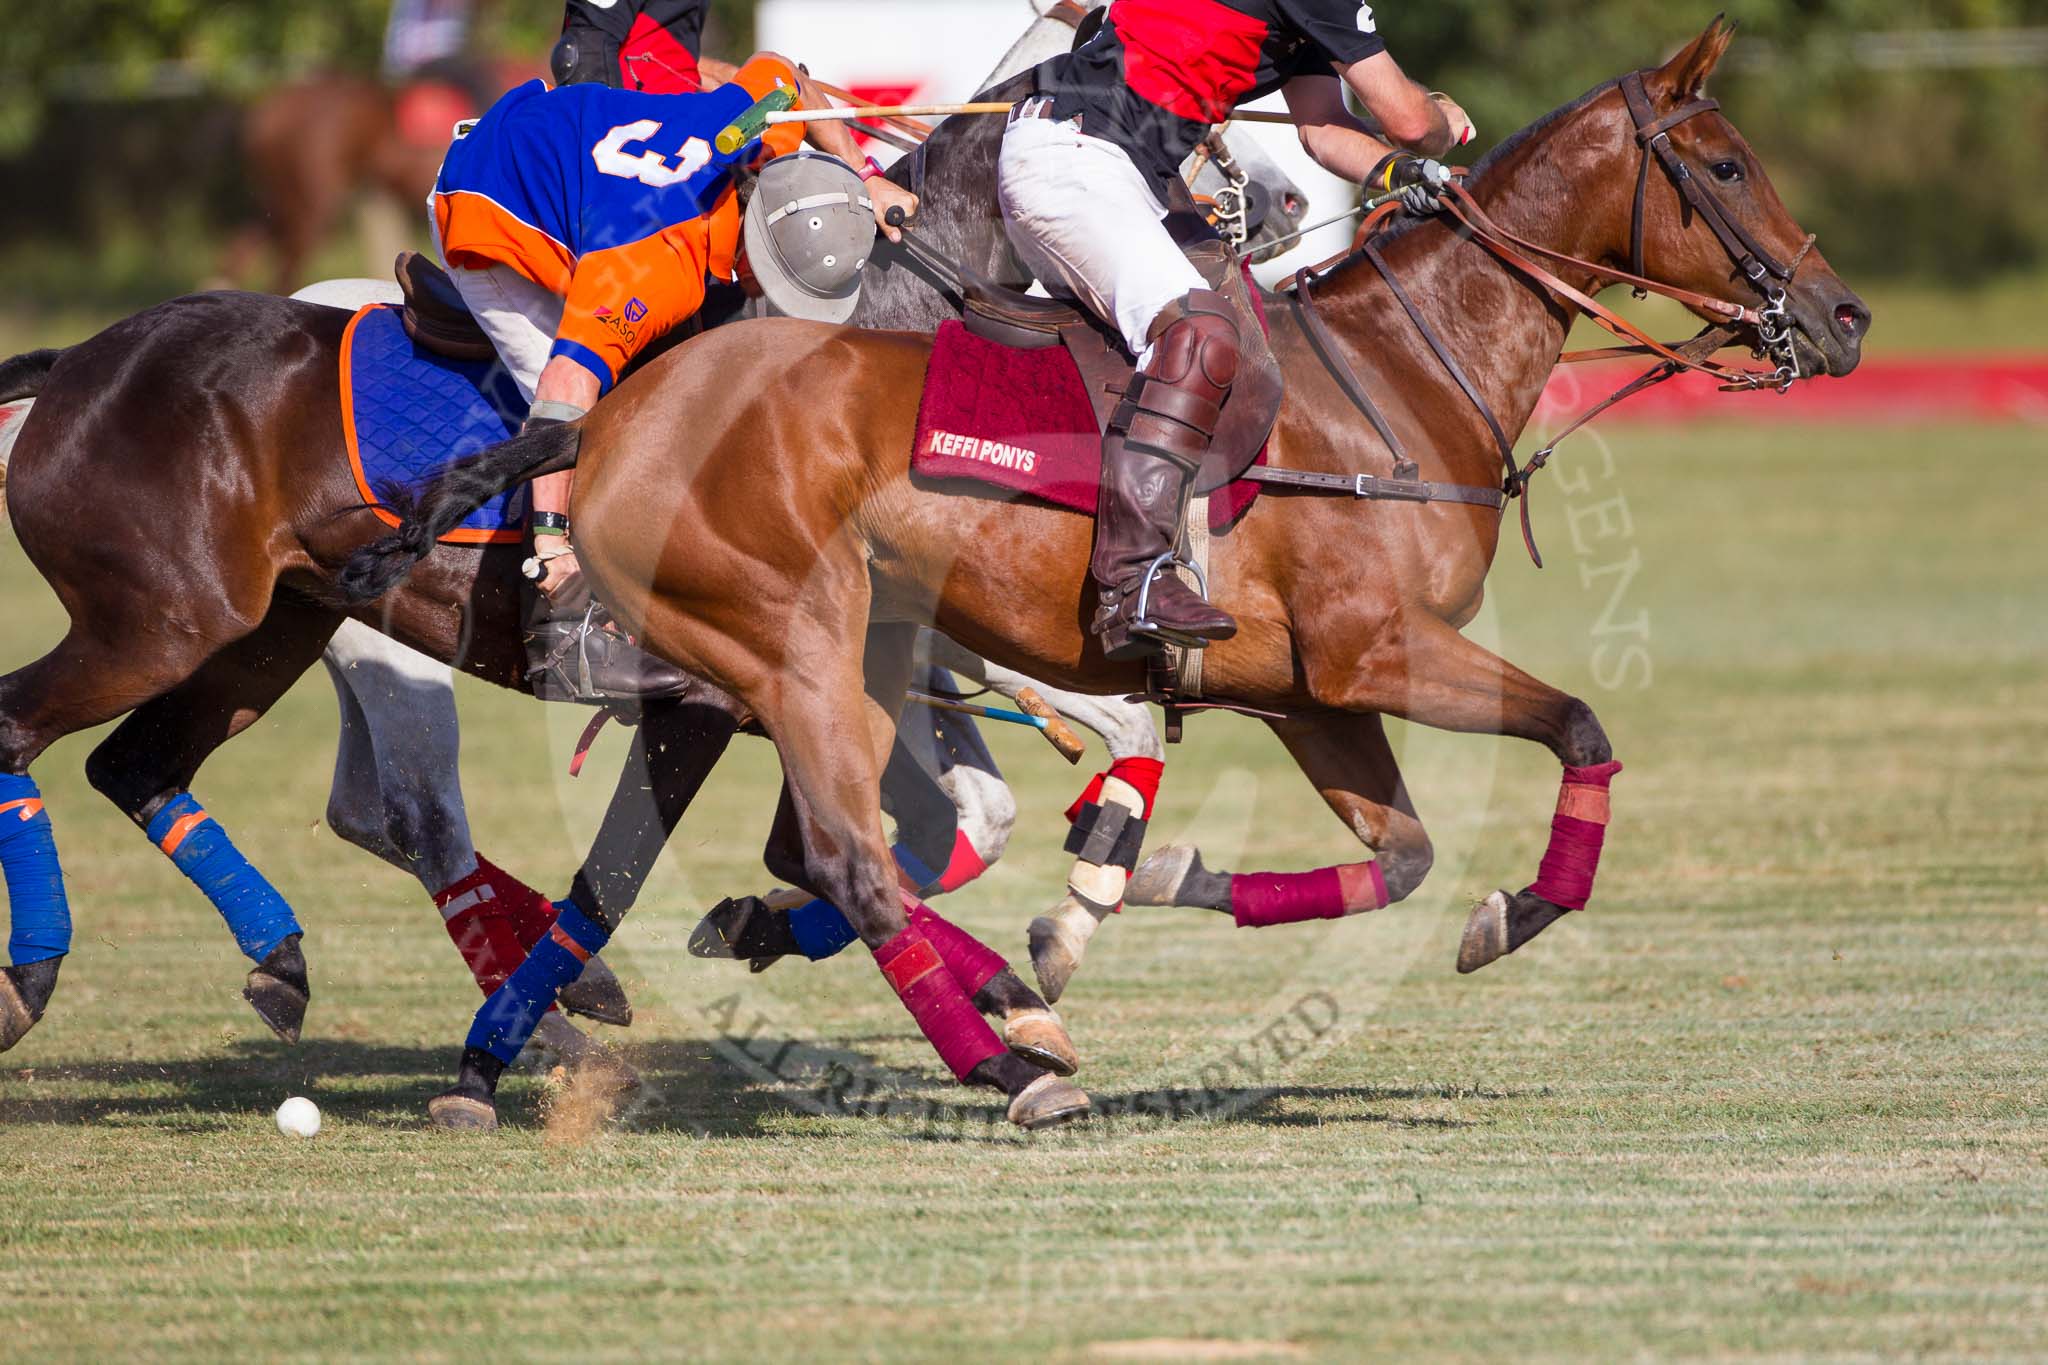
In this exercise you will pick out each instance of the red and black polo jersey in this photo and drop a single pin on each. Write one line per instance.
(1161, 73)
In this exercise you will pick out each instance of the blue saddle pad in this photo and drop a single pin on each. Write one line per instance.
(408, 413)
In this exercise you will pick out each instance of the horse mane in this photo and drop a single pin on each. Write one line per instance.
(1508, 147)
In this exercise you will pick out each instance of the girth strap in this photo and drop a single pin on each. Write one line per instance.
(1372, 488)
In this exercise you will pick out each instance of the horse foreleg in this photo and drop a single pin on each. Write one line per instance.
(1435, 676)
(674, 751)
(1349, 761)
(817, 929)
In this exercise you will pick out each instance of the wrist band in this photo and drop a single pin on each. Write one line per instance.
(554, 410)
(872, 169)
(550, 521)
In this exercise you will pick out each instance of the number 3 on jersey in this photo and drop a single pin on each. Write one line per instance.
(648, 166)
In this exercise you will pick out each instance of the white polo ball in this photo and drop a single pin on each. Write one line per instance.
(298, 1117)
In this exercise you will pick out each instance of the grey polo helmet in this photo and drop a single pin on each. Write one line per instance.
(810, 227)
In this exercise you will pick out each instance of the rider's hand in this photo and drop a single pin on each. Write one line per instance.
(1462, 129)
(560, 575)
(1419, 181)
(887, 194)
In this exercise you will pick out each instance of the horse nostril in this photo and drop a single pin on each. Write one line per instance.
(1852, 320)
(1293, 205)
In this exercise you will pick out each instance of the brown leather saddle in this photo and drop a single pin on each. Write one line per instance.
(997, 313)
(434, 315)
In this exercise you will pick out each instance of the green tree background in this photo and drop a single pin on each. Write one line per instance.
(1918, 171)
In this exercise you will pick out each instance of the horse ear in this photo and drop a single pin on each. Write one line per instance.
(1685, 76)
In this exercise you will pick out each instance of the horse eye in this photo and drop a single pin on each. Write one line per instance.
(1728, 171)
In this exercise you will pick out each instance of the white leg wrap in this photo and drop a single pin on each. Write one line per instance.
(1097, 887)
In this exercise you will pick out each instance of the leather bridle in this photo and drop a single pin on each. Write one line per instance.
(1769, 276)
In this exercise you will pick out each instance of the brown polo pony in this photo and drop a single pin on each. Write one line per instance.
(753, 517)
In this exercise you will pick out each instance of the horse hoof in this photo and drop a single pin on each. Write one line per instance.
(1486, 934)
(597, 995)
(461, 1113)
(1160, 877)
(1040, 1038)
(1048, 1102)
(721, 924)
(24, 992)
(1054, 958)
(278, 992)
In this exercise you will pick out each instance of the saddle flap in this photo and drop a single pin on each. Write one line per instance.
(435, 316)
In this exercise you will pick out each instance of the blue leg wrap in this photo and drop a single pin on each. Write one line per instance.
(509, 1017)
(257, 916)
(41, 916)
(913, 866)
(820, 930)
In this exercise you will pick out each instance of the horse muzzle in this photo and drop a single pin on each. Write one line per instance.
(1829, 325)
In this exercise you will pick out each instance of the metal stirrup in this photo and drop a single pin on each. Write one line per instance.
(1142, 623)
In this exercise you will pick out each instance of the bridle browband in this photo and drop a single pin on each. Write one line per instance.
(1769, 276)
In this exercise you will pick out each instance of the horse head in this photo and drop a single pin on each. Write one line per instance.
(1666, 210)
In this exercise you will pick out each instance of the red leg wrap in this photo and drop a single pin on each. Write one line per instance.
(972, 962)
(531, 913)
(474, 912)
(963, 867)
(1142, 773)
(1259, 900)
(942, 1010)
(1577, 833)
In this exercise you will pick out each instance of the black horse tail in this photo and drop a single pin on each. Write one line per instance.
(439, 508)
(23, 376)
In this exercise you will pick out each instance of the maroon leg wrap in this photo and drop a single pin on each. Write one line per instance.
(972, 962)
(1577, 833)
(1259, 900)
(935, 1000)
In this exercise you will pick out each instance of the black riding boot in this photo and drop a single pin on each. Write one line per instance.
(574, 653)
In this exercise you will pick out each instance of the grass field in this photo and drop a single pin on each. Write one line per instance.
(1778, 1095)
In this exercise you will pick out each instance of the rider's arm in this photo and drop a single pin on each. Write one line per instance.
(715, 73)
(1337, 142)
(1410, 118)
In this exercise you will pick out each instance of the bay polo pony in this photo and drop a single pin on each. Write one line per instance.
(746, 506)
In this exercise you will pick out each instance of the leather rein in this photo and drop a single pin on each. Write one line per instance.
(1765, 273)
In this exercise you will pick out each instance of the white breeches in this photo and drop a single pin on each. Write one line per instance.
(1086, 222)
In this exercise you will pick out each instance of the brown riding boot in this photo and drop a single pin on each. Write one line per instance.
(1154, 445)
(574, 653)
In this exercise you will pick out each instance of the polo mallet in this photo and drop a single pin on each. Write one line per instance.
(1037, 713)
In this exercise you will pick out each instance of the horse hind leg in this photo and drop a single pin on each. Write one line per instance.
(1349, 761)
(90, 678)
(146, 766)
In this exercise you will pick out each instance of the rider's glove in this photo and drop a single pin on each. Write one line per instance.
(1419, 180)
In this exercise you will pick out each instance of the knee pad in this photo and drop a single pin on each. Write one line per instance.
(1176, 400)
